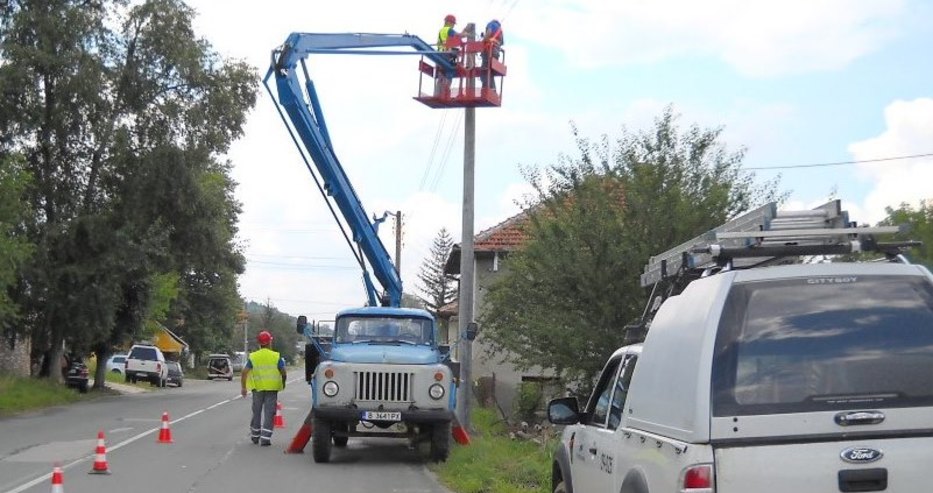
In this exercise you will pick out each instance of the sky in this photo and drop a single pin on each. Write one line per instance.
(794, 83)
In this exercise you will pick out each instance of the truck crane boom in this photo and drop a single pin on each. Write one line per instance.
(304, 112)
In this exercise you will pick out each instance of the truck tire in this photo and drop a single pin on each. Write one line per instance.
(320, 443)
(341, 441)
(560, 488)
(440, 441)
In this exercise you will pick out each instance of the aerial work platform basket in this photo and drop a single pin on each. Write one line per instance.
(471, 83)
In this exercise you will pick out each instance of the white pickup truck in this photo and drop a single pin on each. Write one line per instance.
(146, 362)
(795, 378)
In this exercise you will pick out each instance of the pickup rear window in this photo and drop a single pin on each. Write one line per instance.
(824, 343)
(146, 353)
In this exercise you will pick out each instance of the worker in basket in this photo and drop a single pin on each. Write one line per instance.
(447, 32)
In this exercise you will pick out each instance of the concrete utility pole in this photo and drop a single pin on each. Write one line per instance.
(465, 301)
(398, 241)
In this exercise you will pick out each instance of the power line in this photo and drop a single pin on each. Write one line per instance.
(840, 163)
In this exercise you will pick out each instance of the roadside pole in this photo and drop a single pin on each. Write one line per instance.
(465, 301)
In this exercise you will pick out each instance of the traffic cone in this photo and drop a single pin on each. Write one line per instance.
(57, 480)
(100, 457)
(459, 432)
(165, 434)
(303, 436)
(279, 421)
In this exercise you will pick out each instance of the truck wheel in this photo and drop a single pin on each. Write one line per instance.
(440, 441)
(320, 443)
(83, 388)
(560, 488)
(341, 441)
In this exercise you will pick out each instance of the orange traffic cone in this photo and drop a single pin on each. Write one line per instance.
(279, 421)
(57, 480)
(165, 434)
(459, 432)
(100, 457)
(303, 436)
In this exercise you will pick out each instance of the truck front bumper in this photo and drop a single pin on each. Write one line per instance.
(408, 415)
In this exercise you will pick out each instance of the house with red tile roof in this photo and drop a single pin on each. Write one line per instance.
(491, 250)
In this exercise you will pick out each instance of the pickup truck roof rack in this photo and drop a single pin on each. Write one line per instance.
(761, 237)
(766, 236)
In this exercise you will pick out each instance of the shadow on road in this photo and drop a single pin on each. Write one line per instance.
(378, 451)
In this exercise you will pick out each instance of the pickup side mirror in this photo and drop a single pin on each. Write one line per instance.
(300, 325)
(563, 411)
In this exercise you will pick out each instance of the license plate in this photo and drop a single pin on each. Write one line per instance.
(381, 416)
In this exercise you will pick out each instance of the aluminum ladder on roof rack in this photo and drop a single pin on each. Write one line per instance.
(763, 235)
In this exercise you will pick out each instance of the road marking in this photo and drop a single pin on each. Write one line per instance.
(120, 430)
(48, 476)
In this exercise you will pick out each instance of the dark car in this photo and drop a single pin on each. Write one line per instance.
(75, 373)
(175, 375)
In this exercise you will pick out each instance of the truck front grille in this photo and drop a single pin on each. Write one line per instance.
(383, 386)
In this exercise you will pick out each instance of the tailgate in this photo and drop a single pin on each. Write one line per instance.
(819, 467)
(144, 365)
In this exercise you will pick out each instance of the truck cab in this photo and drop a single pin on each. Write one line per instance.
(383, 375)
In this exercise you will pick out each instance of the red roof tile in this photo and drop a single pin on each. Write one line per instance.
(506, 236)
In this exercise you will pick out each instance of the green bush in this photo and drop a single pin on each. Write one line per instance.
(528, 402)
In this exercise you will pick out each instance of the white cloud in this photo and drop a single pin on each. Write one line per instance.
(757, 38)
(384, 139)
(909, 131)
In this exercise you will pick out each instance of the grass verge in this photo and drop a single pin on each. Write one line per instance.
(494, 463)
(18, 394)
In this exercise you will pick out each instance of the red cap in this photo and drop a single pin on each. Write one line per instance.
(264, 337)
(450, 18)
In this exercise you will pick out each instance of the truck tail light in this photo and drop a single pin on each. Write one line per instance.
(159, 367)
(698, 479)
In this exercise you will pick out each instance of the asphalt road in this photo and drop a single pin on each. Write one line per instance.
(211, 450)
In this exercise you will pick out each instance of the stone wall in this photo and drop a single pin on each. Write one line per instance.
(14, 355)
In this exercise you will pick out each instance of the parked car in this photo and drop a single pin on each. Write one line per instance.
(146, 362)
(219, 366)
(175, 374)
(117, 364)
(239, 359)
(75, 373)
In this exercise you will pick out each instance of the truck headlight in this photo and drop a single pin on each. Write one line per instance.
(331, 388)
(436, 391)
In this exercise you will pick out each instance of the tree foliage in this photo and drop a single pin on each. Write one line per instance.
(15, 247)
(122, 113)
(596, 218)
(437, 288)
(920, 220)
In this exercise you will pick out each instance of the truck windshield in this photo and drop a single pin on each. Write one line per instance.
(815, 344)
(389, 330)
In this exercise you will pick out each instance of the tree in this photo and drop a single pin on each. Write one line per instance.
(15, 247)
(596, 218)
(437, 287)
(121, 114)
(920, 221)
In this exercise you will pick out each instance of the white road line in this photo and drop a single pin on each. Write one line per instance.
(118, 446)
